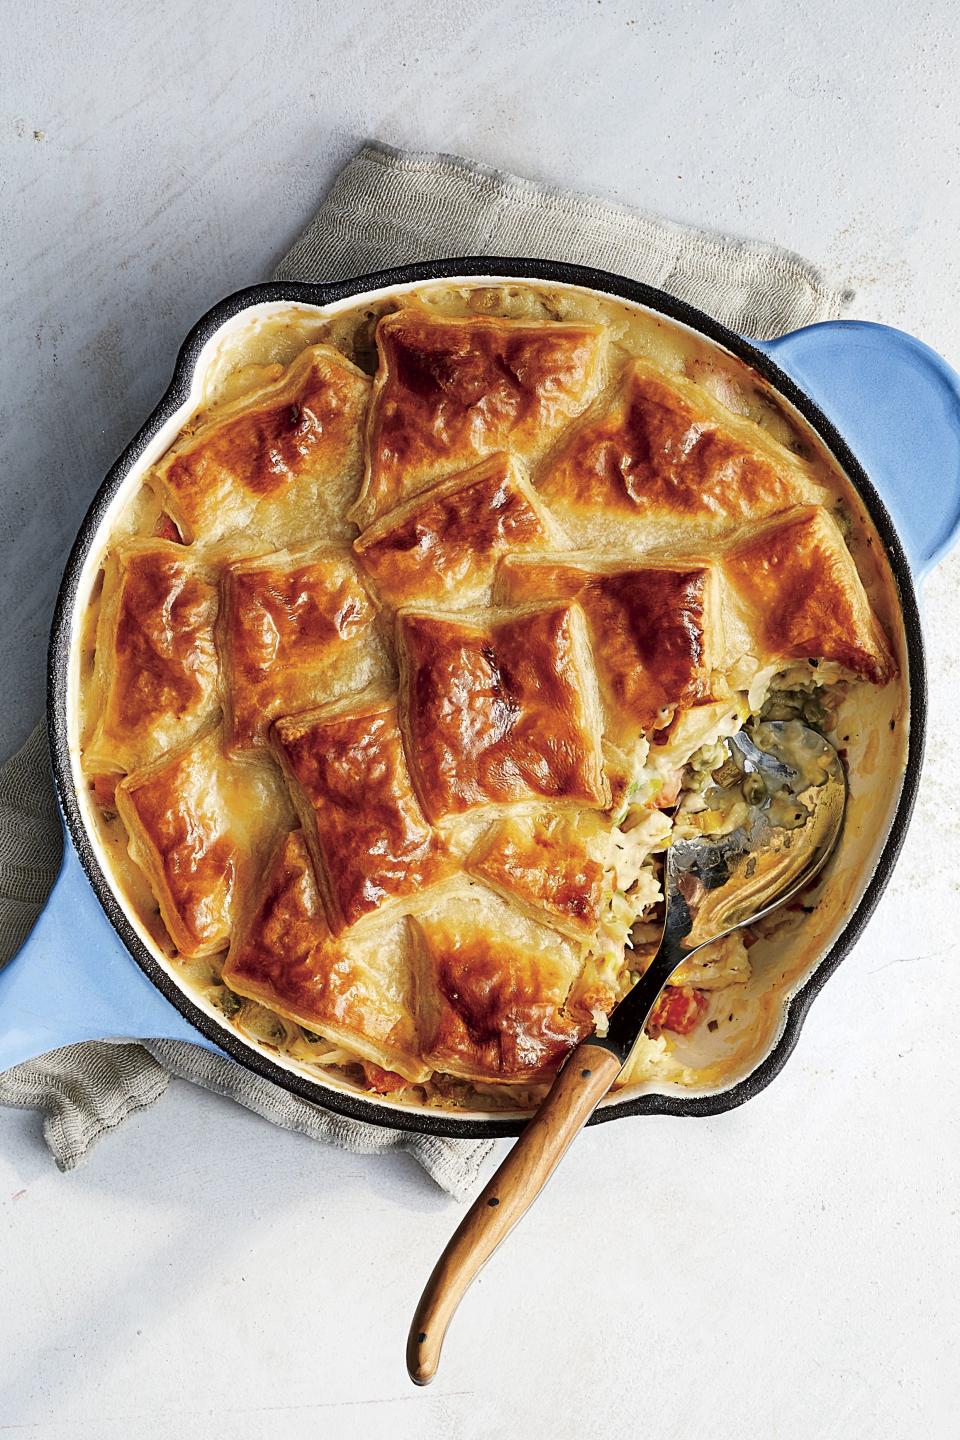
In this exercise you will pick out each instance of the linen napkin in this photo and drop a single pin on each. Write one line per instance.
(385, 208)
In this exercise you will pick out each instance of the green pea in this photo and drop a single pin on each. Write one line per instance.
(813, 711)
(230, 1003)
(753, 790)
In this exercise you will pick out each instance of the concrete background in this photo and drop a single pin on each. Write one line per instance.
(787, 1270)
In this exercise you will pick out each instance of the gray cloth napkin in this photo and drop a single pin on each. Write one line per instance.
(386, 207)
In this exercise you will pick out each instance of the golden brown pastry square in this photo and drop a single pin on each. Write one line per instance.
(549, 865)
(279, 465)
(494, 713)
(372, 848)
(800, 596)
(442, 547)
(198, 826)
(297, 628)
(449, 391)
(156, 671)
(656, 631)
(666, 459)
(492, 989)
(357, 991)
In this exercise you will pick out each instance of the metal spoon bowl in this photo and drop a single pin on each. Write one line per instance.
(784, 794)
(718, 883)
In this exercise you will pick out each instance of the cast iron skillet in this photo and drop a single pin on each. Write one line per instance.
(930, 542)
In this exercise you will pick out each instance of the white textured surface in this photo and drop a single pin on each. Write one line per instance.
(788, 1270)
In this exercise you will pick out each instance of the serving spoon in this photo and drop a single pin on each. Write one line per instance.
(793, 789)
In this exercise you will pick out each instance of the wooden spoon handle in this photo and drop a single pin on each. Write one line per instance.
(582, 1083)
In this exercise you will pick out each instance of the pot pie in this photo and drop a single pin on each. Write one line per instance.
(413, 648)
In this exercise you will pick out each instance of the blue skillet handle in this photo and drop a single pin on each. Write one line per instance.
(73, 979)
(897, 405)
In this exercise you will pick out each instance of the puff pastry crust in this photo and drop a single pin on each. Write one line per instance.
(575, 571)
(156, 660)
(298, 628)
(449, 391)
(198, 824)
(802, 596)
(493, 988)
(442, 547)
(664, 457)
(357, 992)
(279, 466)
(372, 847)
(502, 712)
(656, 631)
(549, 865)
